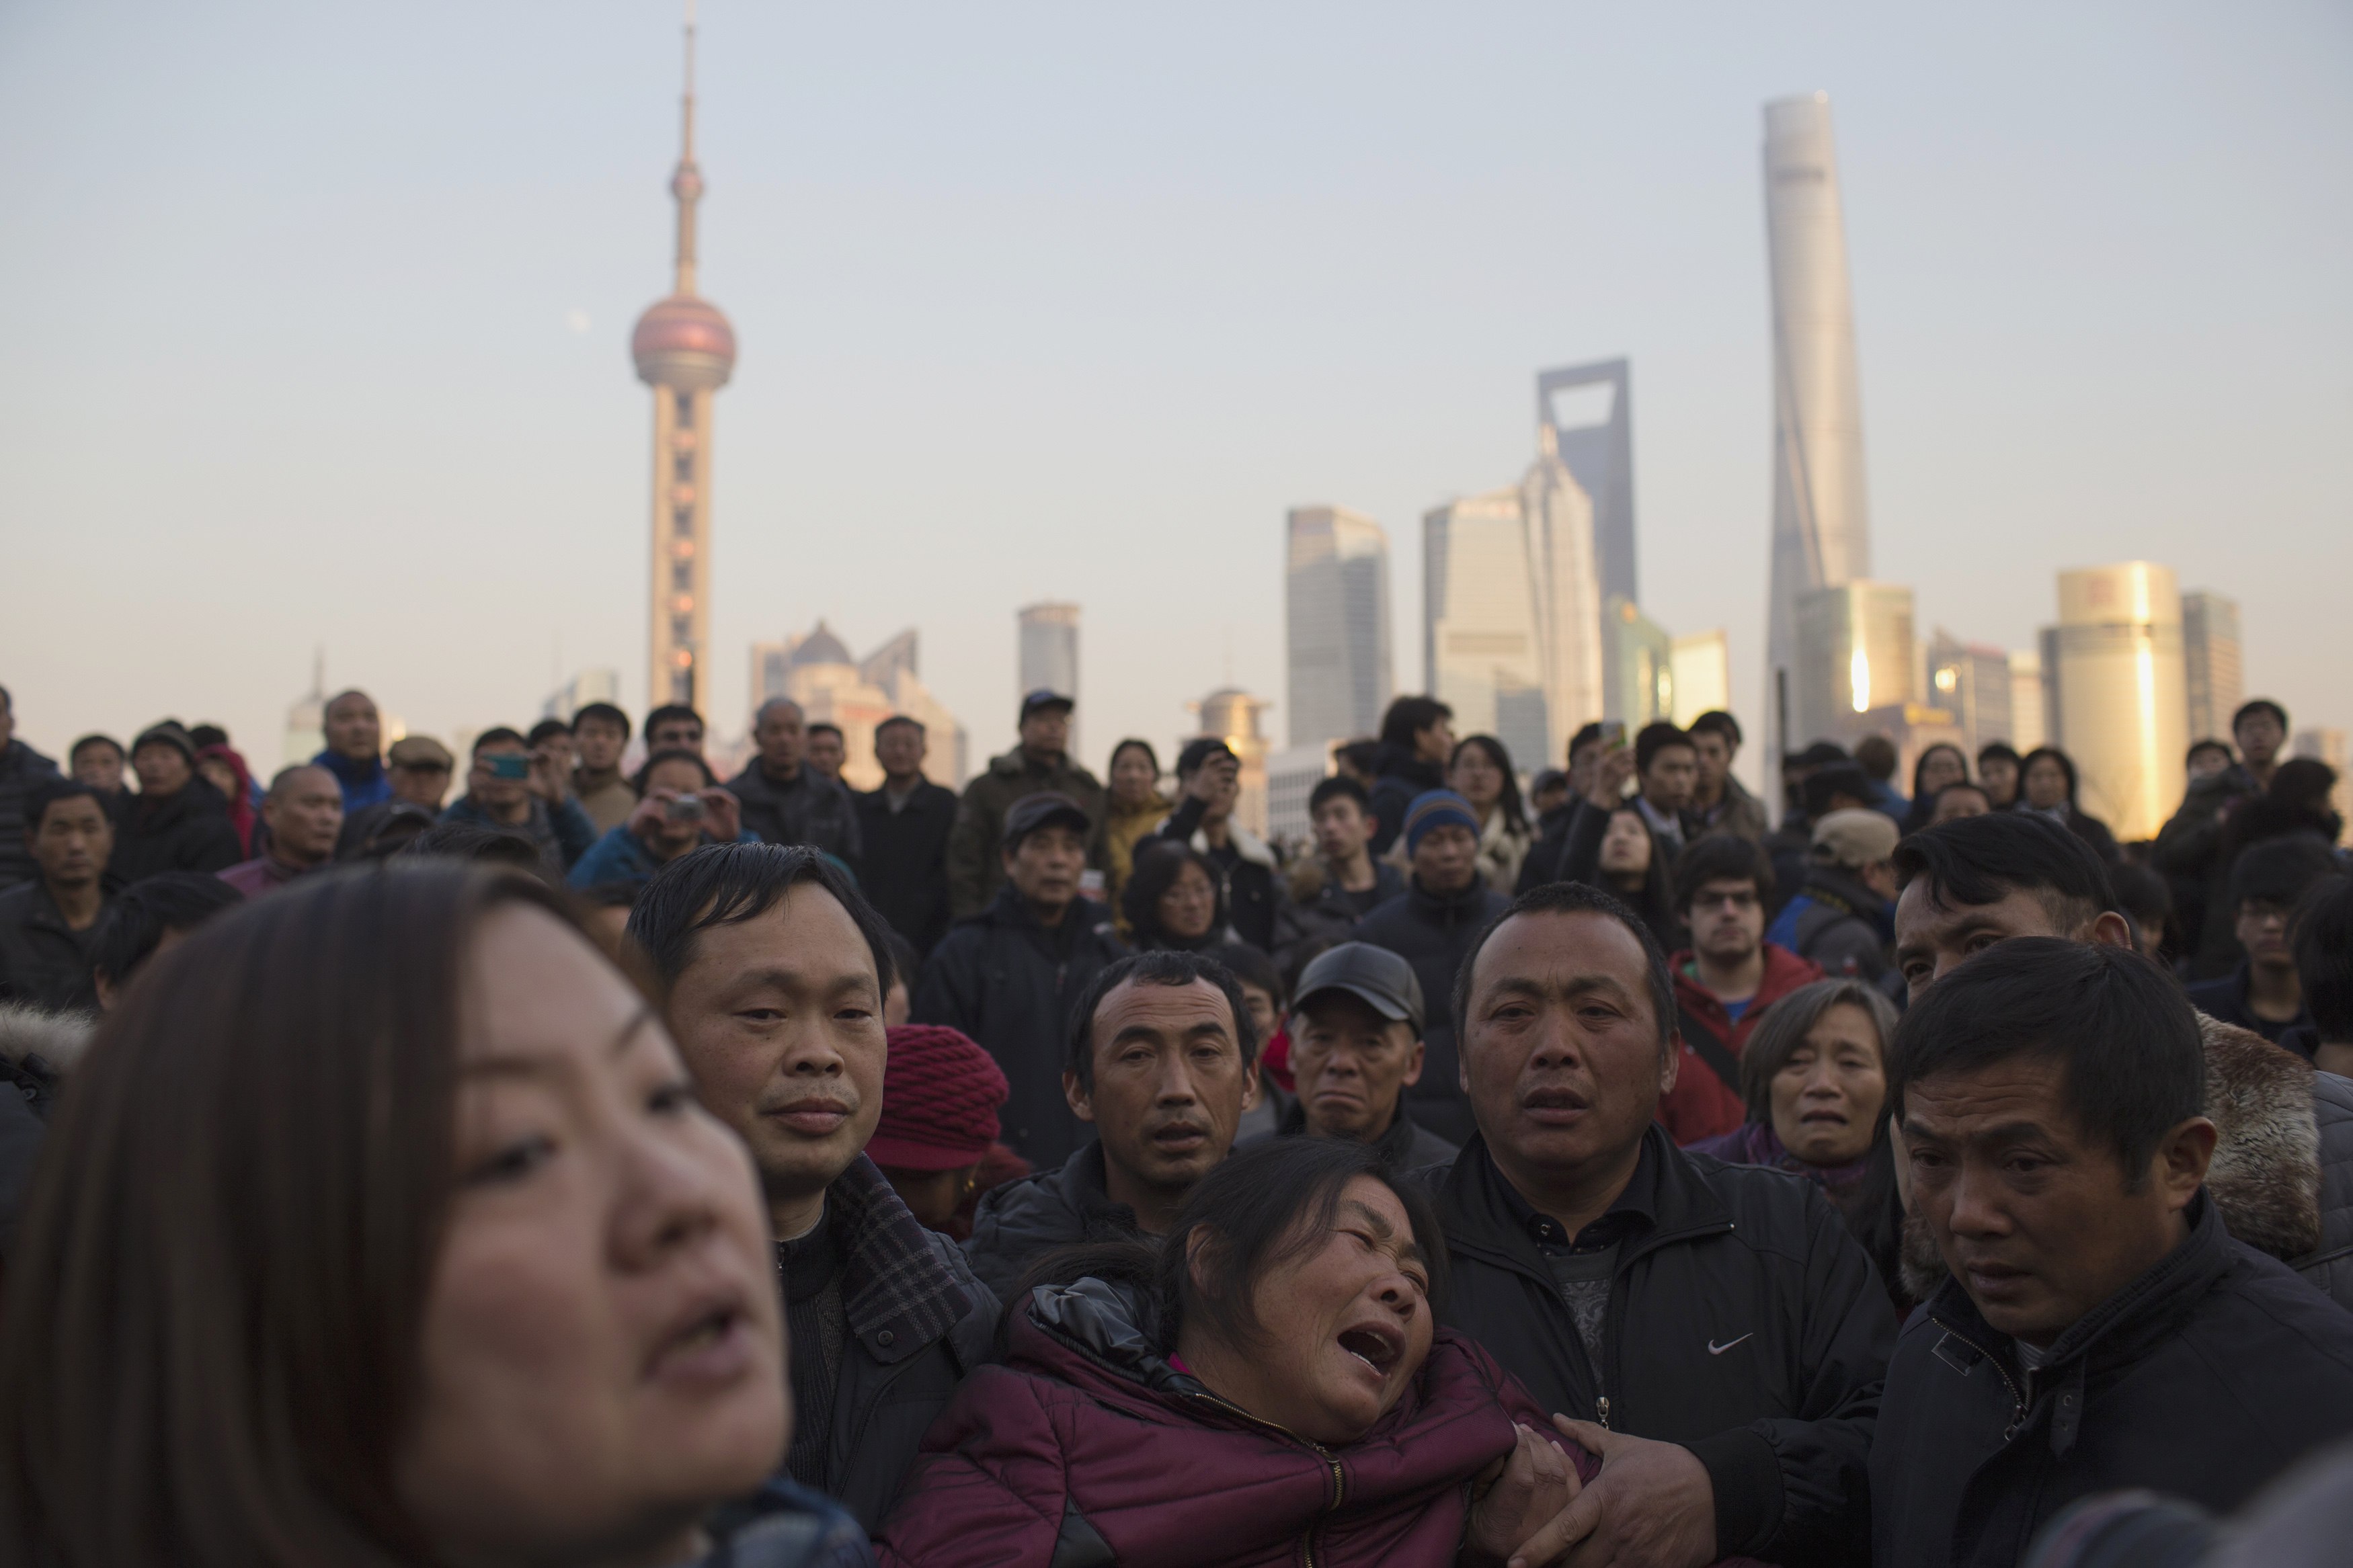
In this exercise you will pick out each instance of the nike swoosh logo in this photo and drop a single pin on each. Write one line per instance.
(1715, 1348)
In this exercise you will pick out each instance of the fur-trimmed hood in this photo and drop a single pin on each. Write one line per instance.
(36, 1037)
(2265, 1176)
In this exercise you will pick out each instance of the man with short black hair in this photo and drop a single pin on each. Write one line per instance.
(1416, 745)
(516, 790)
(1723, 982)
(904, 828)
(1209, 775)
(773, 971)
(2287, 1174)
(1719, 802)
(2323, 970)
(2260, 727)
(784, 800)
(1162, 1059)
(2100, 1329)
(1431, 927)
(1875, 755)
(147, 917)
(674, 727)
(1007, 975)
(1715, 1331)
(1039, 764)
(1340, 884)
(1355, 1048)
(419, 767)
(21, 768)
(45, 923)
(354, 737)
(600, 735)
(2269, 879)
(100, 760)
(304, 814)
(827, 749)
(2194, 848)
(1666, 766)
(554, 736)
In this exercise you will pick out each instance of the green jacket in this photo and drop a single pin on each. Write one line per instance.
(976, 866)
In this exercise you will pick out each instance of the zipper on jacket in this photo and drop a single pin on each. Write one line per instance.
(2017, 1397)
(1601, 1411)
(1331, 1461)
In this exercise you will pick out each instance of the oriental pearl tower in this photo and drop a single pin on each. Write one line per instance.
(685, 350)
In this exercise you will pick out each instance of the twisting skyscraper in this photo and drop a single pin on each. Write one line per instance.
(1821, 522)
(685, 350)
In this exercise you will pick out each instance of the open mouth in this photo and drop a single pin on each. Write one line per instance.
(1837, 1118)
(710, 1344)
(1179, 1136)
(1377, 1348)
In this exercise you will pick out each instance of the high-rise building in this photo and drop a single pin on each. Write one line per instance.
(1049, 653)
(685, 350)
(2210, 663)
(2329, 745)
(1821, 520)
(2029, 720)
(1972, 681)
(1855, 658)
(1232, 715)
(1291, 778)
(1701, 666)
(1600, 453)
(1512, 635)
(2121, 713)
(585, 687)
(1337, 624)
(1637, 667)
(817, 671)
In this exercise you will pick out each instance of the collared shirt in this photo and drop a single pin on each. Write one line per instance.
(1583, 1265)
(1668, 828)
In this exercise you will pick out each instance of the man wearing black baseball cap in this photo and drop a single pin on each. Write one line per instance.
(1007, 975)
(1039, 764)
(1356, 1045)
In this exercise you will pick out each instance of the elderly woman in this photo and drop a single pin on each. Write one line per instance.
(382, 1228)
(1175, 899)
(1481, 772)
(936, 1141)
(1815, 1077)
(1268, 1383)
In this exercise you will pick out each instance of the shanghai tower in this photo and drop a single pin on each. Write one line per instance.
(1821, 521)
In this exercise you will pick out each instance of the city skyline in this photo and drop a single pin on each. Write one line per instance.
(387, 339)
(1339, 659)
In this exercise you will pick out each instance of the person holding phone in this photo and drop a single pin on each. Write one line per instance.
(523, 792)
(679, 809)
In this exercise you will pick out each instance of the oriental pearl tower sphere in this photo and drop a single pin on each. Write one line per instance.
(685, 350)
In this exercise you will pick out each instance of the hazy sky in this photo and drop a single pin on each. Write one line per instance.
(316, 322)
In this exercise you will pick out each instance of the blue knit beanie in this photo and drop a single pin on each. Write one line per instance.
(1437, 808)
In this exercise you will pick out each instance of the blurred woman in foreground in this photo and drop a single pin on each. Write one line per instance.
(1269, 1382)
(382, 1227)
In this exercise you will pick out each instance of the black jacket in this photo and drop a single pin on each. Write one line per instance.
(21, 768)
(187, 831)
(1397, 776)
(42, 961)
(1745, 1323)
(2203, 1379)
(1432, 933)
(1843, 926)
(1569, 850)
(1008, 983)
(1406, 1146)
(1022, 1221)
(905, 872)
(811, 809)
(2226, 999)
(1330, 915)
(1253, 893)
(917, 1322)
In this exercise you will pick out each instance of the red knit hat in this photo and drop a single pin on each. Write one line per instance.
(940, 1095)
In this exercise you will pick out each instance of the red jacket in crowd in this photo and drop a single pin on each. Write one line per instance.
(1702, 1105)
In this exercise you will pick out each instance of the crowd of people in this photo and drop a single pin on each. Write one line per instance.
(618, 1165)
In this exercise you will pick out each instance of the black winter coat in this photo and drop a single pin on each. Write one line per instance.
(917, 1322)
(42, 961)
(1570, 851)
(1745, 1323)
(812, 809)
(1397, 776)
(1008, 983)
(188, 831)
(21, 768)
(1406, 1146)
(1022, 1221)
(1330, 915)
(905, 873)
(1432, 933)
(2203, 1379)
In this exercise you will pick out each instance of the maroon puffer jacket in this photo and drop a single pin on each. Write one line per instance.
(1087, 1448)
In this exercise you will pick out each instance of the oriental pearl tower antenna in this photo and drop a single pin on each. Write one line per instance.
(685, 350)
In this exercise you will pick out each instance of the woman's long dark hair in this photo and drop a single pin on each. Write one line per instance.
(2066, 767)
(1656, 902)
(1924, 803)
(1516, 814)
(219, 1285)
(1156, 868)
(1256, 1210)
